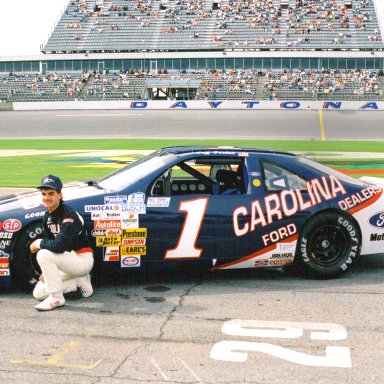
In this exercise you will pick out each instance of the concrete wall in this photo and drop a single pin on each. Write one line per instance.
(202, 104)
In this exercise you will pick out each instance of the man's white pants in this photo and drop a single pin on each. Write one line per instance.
(61, 269)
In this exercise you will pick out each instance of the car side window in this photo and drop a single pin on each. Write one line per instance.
(278, 178)
(202, 176)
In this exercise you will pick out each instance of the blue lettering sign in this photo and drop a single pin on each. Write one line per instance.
(290, 105)
(250, 104)
(332, 104)
(139, 104)
(370, 105)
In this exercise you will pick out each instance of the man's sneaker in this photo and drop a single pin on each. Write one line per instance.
(84, 283)
(51, 302)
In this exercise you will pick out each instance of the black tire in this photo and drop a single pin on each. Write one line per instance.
(25, 269)
(328, 244)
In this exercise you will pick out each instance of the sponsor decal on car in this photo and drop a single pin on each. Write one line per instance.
(4, 262)
(133, 250)
(136, 202)
(6, 235)
(357, 199)
(10, 225)
(112, 254)
(97, 208)
(377, 237)
(158, 202)
(137, 241)
(261, 263)
(285, 204)
(279, 234)
(130, 262)
(377, 220)
(99, 232)
(136, 232)
(34, 214)
(118, 199)
(104, 241)
(113, 232)
(106, 224)
(129, 220)
(4, 254)
(5, 243)
(106, 215)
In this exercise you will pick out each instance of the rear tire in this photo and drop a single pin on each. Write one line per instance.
(329, 244)
(25, 269)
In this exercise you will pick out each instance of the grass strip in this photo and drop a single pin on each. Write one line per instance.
(27, 170)
(286, 145)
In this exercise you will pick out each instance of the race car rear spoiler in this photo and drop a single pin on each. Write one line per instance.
(379, 181)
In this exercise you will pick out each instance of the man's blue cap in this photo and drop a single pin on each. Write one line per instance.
(51, 182)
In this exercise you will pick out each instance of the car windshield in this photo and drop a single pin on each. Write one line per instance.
(329, 171)
(135, 171)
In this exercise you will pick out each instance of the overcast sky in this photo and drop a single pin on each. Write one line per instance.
(26, 24)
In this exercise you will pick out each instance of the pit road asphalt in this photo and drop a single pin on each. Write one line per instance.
(255, 124)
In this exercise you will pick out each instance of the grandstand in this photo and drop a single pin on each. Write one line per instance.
(205, 49)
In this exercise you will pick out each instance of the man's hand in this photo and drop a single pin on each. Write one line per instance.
(35, 246)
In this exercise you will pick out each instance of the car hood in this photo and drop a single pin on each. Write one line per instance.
(31, 200)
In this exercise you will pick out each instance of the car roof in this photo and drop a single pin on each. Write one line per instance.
(177, 150)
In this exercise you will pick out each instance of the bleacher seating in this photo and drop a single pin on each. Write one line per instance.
(212, 85)
(176, 25)
(114, 26)
(324, 85)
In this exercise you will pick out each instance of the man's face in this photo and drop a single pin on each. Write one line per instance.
(51, 198)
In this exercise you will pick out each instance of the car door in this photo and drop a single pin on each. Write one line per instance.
(189, 212)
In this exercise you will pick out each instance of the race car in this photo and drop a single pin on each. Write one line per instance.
(213, 207)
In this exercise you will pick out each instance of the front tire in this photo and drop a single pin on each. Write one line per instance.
(25, 269)
(328, 244)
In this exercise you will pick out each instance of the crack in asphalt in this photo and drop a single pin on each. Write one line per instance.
(175, 308)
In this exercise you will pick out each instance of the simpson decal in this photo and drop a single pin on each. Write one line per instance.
(137, 241)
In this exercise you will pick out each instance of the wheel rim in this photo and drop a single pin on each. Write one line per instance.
(327, 245)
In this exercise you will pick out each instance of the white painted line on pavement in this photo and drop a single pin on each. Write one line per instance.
(191, 371)
(159, 369)
(101, 115)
